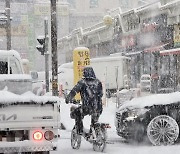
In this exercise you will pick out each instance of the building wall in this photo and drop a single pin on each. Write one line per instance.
(95, 6)
(28, 23)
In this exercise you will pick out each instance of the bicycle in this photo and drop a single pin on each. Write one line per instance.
(96, 135)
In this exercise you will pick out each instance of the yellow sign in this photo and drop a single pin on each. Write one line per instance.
(41, 9)
(20, 30)
(44, 9)
(81, 58)
(63, 10)
(176, 35)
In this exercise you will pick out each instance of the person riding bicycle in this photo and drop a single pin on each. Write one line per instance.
(91, 92)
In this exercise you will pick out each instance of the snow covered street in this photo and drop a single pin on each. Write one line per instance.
(116, 145)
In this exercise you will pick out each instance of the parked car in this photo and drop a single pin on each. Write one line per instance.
(156, 117)
(145, 82)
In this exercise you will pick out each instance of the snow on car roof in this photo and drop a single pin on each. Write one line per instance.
(9, 53)
(7, 98)
(155, 99)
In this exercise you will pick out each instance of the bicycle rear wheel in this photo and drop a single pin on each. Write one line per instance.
(100, 143)
(75, 139)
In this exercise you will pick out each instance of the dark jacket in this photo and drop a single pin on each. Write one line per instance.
(90, 89)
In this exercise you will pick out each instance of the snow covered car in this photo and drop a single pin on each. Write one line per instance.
(156, 117)
(12, 76)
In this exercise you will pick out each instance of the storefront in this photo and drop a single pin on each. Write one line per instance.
(155, 36)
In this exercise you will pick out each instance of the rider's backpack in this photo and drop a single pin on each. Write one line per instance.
(94, 100)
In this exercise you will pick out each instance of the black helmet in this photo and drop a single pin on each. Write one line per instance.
(88, 72)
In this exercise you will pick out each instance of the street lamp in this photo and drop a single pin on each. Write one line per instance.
(107, 20)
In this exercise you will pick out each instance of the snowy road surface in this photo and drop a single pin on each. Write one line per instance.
(116, 145)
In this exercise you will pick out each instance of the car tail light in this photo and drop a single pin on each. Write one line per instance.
(48, 135)
(38, 136)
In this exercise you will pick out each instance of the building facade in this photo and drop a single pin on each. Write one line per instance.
(28, 22)
(148, 34)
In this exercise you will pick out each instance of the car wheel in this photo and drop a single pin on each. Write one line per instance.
(162, 130)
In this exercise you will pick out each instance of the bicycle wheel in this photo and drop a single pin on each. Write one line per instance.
(100, 143)
(75, 139)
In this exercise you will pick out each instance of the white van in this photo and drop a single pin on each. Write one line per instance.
(12, 76)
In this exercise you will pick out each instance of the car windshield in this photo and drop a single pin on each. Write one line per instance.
(9, 66)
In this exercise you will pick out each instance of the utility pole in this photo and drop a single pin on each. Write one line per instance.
(46, 53)
(8, 25)
(43, 49)
(54, 49)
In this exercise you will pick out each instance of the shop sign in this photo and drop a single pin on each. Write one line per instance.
(81, 58)
(44, 9)
(20, 30)
(176, 36)
(128, 41)
(41, 9)
(63, 10)
(149, 27)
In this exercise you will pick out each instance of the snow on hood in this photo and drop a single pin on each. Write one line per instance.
(156, 99)
(7, 97)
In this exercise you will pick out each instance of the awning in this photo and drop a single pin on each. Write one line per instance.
(133, 53)
(170, 52)
(154, 49)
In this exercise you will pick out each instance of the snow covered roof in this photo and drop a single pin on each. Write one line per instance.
(156, 99)
(81, 49)
(98, 59)
(175, 51)
(9, 53)
(8, 98)
(108, 58)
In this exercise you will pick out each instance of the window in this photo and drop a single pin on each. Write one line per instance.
(72, 3)
(3, 67)
(14, 66)
(93, 4)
